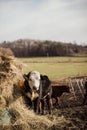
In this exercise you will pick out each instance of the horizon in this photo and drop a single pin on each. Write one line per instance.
(52, 20)
(62, 42)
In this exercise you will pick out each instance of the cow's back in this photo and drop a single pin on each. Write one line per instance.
(58, 90)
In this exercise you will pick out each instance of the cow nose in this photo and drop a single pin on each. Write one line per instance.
(34, 87)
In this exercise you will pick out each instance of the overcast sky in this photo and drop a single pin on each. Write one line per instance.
(59, 20)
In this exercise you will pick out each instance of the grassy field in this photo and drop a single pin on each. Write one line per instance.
(56, 67)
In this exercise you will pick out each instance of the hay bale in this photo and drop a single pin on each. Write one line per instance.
(10, 73)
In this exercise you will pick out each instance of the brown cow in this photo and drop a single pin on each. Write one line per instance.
(58, 90)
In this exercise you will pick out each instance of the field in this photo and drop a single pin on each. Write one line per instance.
(56, 67)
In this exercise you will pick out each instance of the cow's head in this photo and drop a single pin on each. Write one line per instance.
(45, 80)
(33, 79)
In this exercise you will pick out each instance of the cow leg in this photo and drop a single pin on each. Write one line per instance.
(59, 102)
(36, 105)
(56, 104)
(42, 107)
(51, 102)
(28, 102)
(48, 101)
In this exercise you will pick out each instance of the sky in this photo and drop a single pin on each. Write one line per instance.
(56, 20)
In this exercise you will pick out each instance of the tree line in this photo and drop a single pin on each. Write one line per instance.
(32, 48)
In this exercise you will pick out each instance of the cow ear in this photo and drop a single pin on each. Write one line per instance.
(28, 75)
(41, 76)
(47, 80)
(25, 77)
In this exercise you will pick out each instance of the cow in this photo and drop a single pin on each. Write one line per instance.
(85, 95)
(32, 84)
(57, 91)
(45, 93)
(38, 89)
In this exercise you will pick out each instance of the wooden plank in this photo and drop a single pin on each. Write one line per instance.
(70, 82)
(77, 81)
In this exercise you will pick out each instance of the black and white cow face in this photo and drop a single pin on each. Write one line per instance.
(38, 89)
(34, 80)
